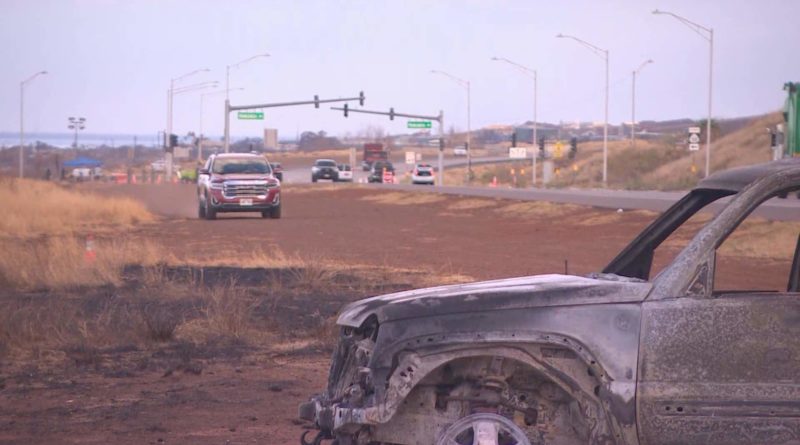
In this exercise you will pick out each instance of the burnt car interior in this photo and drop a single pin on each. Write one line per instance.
(636, 260)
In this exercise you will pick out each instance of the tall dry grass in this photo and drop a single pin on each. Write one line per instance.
(61, 262)
(33, 208)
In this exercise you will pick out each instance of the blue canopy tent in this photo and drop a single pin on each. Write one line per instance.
(83, 162)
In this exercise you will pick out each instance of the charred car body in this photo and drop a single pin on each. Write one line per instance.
(612, 358)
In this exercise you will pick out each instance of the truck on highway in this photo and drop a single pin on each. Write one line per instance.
(373, 152)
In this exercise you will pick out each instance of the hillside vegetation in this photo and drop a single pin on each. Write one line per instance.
(666, 164)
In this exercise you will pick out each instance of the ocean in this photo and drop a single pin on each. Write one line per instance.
(87, 140)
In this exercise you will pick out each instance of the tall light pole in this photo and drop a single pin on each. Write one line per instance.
(465, 84)
(170, 94)
(529, 72)
(22, 120)
(77, 124)
(227, 98)
(603, 53)
(200, 132)
(708, 35)
(633, 100)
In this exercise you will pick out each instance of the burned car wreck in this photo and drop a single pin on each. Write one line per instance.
(611, 358)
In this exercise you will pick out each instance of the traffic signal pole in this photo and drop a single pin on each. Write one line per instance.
(392, 114)
(231, 108)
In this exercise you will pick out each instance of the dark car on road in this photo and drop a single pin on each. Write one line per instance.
(377, 170)
(325, 169)
(237, 182)
(622, 356)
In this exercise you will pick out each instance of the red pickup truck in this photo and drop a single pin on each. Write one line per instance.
(238, 182)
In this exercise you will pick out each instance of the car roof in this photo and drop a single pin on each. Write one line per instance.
(736, 179)
(326, 160)
(237, 155)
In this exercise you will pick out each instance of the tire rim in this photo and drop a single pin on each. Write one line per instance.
(483, 429)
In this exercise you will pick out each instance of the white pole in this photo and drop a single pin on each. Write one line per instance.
(633, 111)
(21, 129)
(605, 132)
(710, 85)
(227, 109)
(200, 133)
(469, 136)
(227, 125)
(169, 131)
(535, 122)
(440, 177)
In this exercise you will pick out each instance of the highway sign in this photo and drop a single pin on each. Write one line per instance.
(694, 147)
(251, 115)
(419, 124)
(694, 138)
(694, 129)
(559, 150)
(517, 152)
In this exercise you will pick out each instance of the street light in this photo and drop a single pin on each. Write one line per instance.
(200, 133)
(22, 120)
(77, 124)
(227, 98)
(709, 37)
(602, 53)
(633, 100)
(170, 94)
(465, 84)
(528, 71)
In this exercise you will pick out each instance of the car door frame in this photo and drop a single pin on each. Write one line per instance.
(696, 383)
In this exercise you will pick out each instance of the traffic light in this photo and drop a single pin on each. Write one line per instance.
(441, 143)
(173, 140)
(514, 139)
(541, 146)
(573, 147)
(345, 110)
(361, 98)
(316, 101)
(391, 114)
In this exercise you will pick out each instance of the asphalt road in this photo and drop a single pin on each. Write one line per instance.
(775, 209)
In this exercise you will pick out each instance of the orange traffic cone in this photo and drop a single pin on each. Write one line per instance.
(494, 182)
(89, 255)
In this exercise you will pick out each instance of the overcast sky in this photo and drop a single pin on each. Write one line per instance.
(112, 61)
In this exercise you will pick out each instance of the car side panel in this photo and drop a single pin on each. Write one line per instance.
(722, 370)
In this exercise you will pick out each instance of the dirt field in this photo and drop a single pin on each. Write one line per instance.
(246, 390)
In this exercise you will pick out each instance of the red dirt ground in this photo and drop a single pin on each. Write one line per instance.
(253, 399)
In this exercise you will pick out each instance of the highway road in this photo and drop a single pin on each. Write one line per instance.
(775, 209)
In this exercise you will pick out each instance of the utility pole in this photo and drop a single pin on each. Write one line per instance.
(227, 136)
(77, 124)
(22, 121)
(709, 37)
(529, 72)
(465, 84)
(392, 114)
(602, 53)
(633, 100)
(170, 93)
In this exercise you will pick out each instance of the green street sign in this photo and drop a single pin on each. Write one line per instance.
(419, 124)
(251, 115)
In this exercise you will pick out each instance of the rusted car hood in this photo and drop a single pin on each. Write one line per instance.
(512, 293)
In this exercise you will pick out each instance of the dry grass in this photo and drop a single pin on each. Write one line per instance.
(471, 204)
(760, 238)
(538, 209)
(61, 262)
(35, 207)
(403, 199)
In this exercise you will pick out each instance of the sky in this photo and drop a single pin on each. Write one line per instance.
(111, 61)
